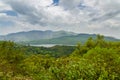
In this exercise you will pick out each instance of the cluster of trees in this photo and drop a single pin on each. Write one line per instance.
(55, 51)
(94, 60)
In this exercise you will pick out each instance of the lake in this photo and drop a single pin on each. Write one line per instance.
(44, 45)
(48, 45)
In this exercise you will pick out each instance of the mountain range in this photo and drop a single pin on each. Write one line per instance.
(35, 35)
(50, 37)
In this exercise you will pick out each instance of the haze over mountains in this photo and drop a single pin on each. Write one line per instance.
(35, 35)
(50, 37)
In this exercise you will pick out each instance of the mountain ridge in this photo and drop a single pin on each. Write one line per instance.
(70, 40)
(34, 35)
(51, 37)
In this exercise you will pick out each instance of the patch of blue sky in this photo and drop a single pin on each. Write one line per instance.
(55, 2)
(9, 12)
(6, 23)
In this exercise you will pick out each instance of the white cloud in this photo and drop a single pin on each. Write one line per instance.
(4, 6)
(89, 16)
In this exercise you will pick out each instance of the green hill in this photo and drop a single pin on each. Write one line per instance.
(69, 40)
(35, 35)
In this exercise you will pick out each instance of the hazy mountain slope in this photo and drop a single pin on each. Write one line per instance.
(1, 37)
(50, 37)
(35, 35)
(71, 40)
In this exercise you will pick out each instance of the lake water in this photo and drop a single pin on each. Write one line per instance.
(44, 45)
(47, 45)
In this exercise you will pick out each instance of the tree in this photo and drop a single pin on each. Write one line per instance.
(90, 43)
(100, 41)
(11, 57)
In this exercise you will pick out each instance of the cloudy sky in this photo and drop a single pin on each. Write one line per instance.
(81, 16)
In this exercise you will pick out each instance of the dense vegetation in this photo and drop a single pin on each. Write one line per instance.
(95, 60)
(55, 51)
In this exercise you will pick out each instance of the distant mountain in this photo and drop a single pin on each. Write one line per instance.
(50, 37)
(1, 37)
(35, 35)
(70, 40)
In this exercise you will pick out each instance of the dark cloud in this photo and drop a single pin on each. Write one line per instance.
(106, 16)
(21, 7)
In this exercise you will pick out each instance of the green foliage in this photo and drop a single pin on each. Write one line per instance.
(105, 62)
(55, 51)
(97, 59)
(11, 58)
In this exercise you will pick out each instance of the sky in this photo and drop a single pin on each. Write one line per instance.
(80, 16)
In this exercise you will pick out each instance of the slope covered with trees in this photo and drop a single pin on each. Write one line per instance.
(95, 60)
(69, 40)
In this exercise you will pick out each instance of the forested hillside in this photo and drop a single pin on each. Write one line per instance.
(96, 59)
(69, 40)
(51, 37)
